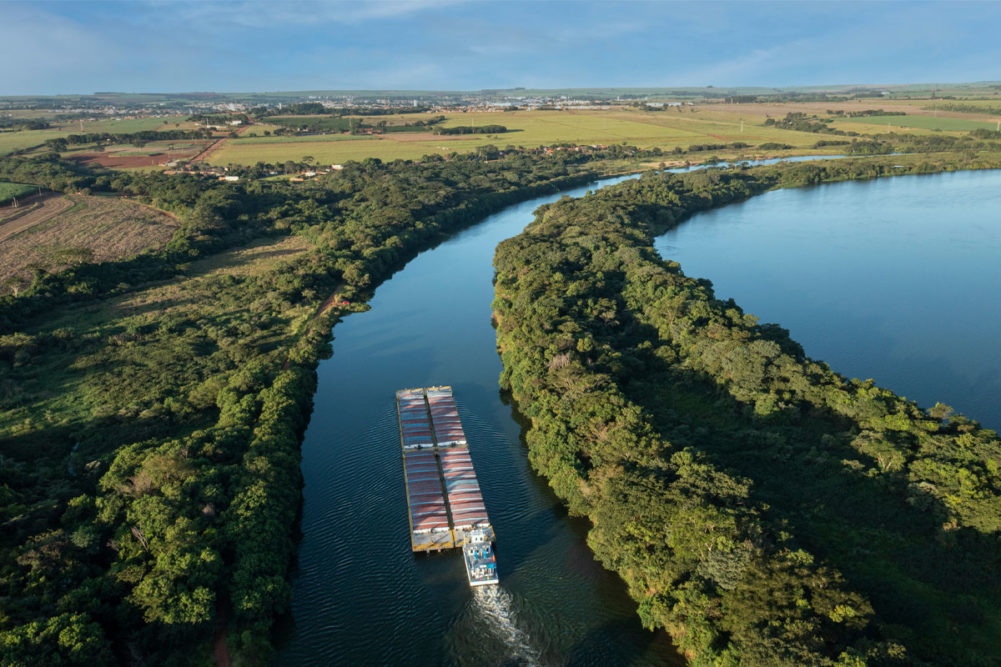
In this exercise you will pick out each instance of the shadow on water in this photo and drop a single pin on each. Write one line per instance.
(643, 646)
(916, 574)
(584, 652)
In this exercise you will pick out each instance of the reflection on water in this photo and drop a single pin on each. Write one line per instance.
(893, 279)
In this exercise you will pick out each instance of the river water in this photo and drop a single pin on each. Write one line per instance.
(360, 596)
(893, 279)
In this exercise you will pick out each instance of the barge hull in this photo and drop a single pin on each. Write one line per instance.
(444, 501)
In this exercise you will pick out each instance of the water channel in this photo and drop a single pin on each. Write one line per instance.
(360, 596)
(888, 279)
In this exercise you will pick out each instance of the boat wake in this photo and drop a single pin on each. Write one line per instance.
(493, 605)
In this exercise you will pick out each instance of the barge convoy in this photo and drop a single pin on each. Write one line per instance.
(445, 505)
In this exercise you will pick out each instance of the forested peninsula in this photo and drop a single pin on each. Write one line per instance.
(762, 508)
(152, 408)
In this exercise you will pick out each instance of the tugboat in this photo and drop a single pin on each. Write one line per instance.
(478, 554)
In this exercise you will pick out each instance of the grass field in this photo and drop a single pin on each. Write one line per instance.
(319, 123)
(12, 141)
(989, 106)
(942, 123)
(665, 129)
(124, 125)
(10, 190)
(247, 139)
(71, 387)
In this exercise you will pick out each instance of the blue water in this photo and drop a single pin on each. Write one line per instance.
(894, 279)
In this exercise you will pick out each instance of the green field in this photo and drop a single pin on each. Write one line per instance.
(250, 139)
(316, 123)
(666, 129)
(12, 141)
(125, 125)
(10, 190)
(922, 122)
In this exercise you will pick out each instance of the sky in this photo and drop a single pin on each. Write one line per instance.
(51, 47)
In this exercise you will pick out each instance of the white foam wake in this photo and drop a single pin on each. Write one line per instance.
(493, 605)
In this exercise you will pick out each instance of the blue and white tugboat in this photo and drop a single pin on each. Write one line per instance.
(478, 554)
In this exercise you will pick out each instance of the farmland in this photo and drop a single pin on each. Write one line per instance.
(16, 140)
(663, 129)
(667, 128)
(83, 228)
(936, 123)
(126, 156)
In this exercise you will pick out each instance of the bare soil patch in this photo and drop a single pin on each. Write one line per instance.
(84, 229)
(112, 161)
(154, 155)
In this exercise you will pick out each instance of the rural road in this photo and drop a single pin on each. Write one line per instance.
(51, 206)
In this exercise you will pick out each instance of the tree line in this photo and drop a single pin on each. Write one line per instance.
(138, 139)
(471, 129)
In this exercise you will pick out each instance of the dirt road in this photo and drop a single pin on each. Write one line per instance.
(49, 206)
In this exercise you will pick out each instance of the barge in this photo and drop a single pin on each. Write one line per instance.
(444, 502)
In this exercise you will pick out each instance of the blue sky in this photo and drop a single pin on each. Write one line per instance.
(52, 47)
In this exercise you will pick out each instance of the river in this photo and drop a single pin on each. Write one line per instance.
(360, 596)
(888, 279)
(893, 279)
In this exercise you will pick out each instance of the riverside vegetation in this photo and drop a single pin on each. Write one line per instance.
(762, 508)
(151, 408)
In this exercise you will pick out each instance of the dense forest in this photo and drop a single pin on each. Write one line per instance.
(802, 122)
(471, 129)
(762, 508)
(333, 123)
(151, 409)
